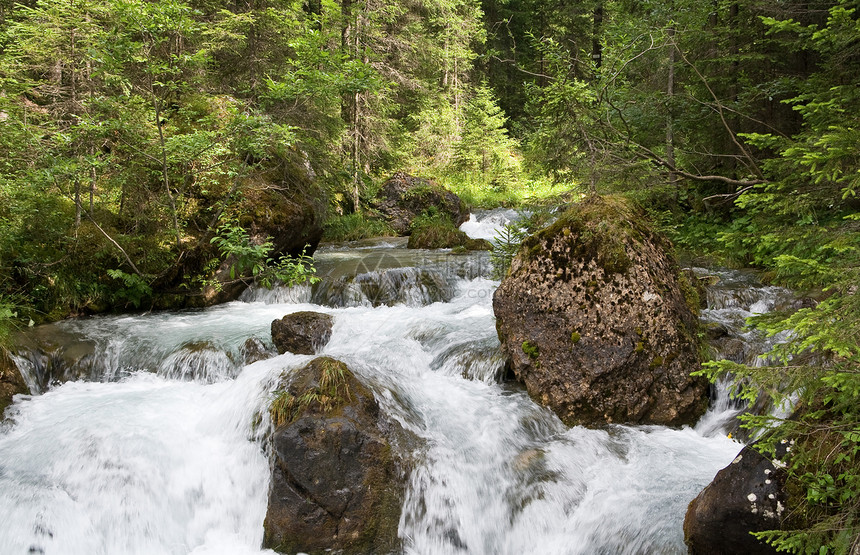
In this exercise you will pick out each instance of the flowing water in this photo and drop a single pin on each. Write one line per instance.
(149, 435)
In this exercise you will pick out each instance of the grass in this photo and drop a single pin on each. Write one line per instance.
(331, 392)
(353, 227)
(477, 193)
(437, 231)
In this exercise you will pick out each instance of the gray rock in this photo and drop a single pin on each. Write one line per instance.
(254, 350)
(302, 333)
(594, 321)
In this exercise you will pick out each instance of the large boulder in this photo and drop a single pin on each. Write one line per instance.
(336, 484)
(11, 381)
(404, 197)
(593, 320)
(302, 333)
(746, 496)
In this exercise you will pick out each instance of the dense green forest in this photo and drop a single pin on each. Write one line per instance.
(135, 135)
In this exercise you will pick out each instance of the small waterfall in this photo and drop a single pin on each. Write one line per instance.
(487, 223)
(735, 296)
(386, 275)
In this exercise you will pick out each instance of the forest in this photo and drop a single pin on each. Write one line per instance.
(135, 134)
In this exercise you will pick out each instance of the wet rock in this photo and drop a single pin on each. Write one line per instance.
(302, 333)
(594, 322)
(403, 197)
(716, 330)
(336, 485)
(55, 355)
(11, 381)
(746, 496)
(254, 350)
(199, 361)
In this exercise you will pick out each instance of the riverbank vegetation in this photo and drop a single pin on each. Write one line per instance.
(133, 133)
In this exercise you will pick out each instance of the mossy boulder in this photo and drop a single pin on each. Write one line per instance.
(746, 496)
(302, 333)
(403, 197)
(11, 381)
(594, 321)
(440, 233)
(336, 485)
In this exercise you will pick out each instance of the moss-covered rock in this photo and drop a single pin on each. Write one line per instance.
(282, 206)
(594, 321)
(336, 483)
(403, 197)
(440, 233)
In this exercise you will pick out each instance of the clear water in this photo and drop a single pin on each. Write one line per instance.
(159, 448)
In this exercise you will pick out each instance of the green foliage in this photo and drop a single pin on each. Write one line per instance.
(484, 147)
(135, 289)
(355, 226)
(507, 243)
(250, 258)
(819, 364)
(432, 230)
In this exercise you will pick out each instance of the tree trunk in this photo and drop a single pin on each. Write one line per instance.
(670, 93)
(596, 46)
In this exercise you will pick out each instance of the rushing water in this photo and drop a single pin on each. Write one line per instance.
(156, 443)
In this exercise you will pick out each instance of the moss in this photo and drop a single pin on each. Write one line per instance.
(575, 337)
(326, 392)
(658, 361)
(692, 290)
(640, 346)
(600, 229)
(438, 232)
(532, 350)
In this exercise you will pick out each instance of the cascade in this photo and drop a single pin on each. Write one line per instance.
(149, 432)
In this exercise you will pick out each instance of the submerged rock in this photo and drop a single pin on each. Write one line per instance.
(336, 485)
(403, 197)
(302, 333)
(594, 321)
(11, 381)
(746, 496)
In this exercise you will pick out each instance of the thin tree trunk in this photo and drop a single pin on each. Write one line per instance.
(670, 93)
(77, 203)
(164, 168)
(596, 46)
